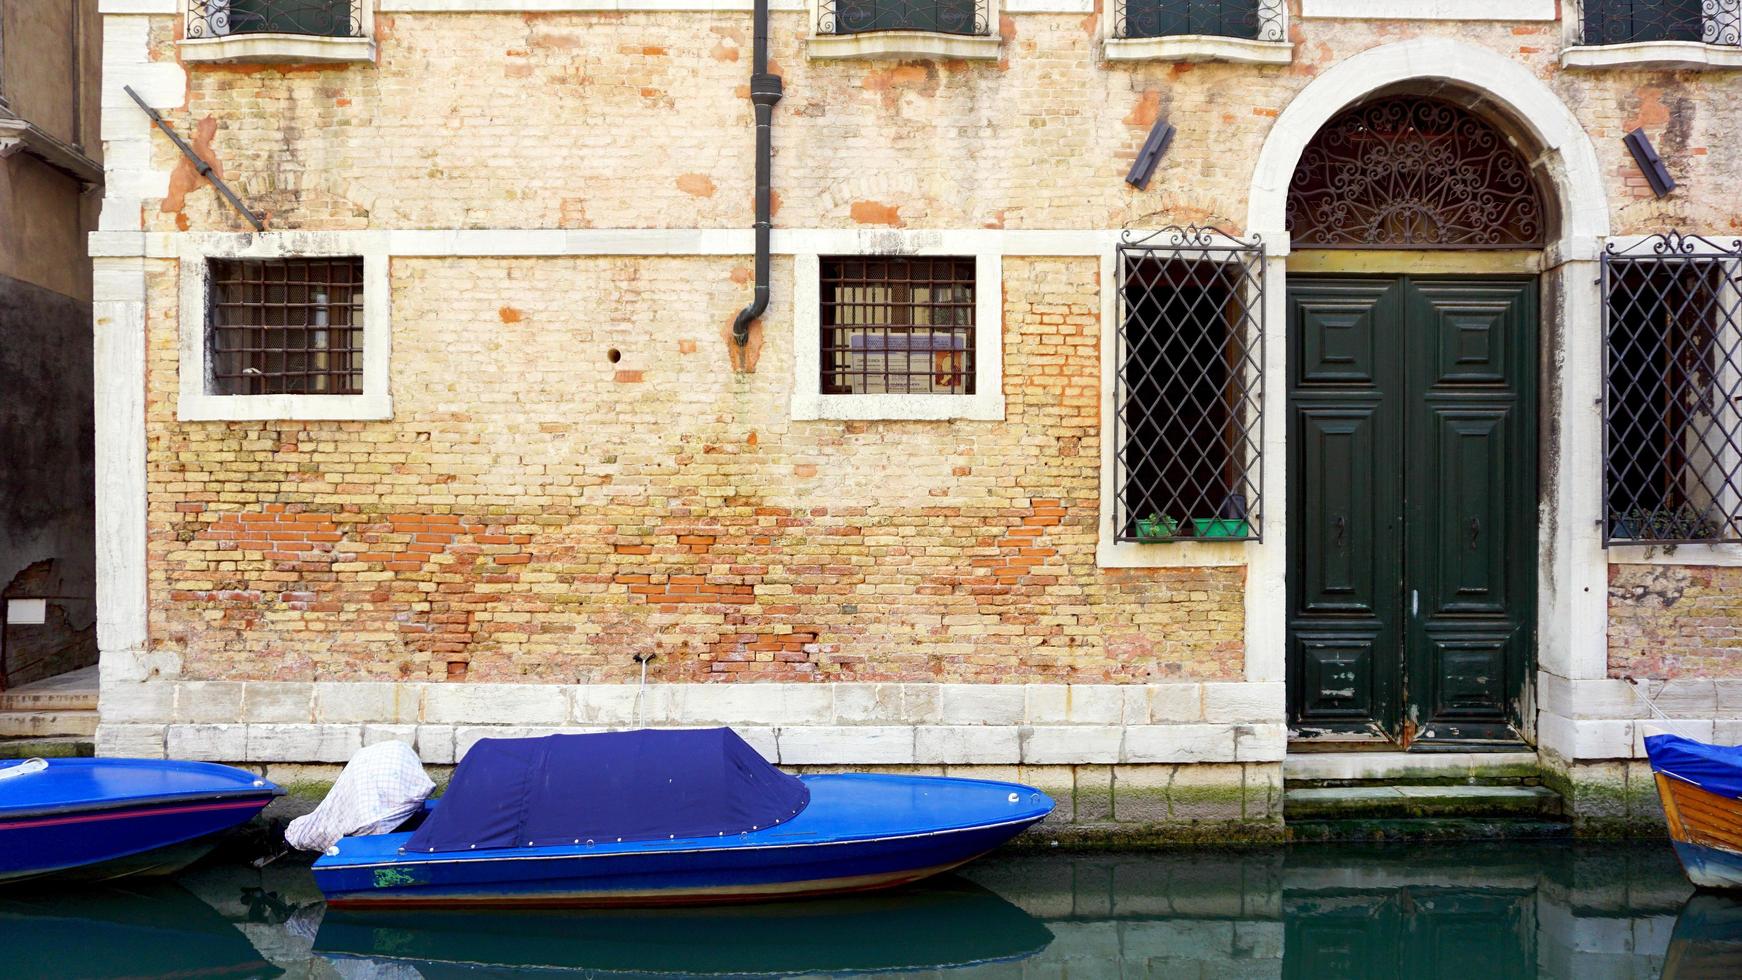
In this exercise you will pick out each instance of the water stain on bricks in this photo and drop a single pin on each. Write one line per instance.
(695, 185)
(876, 213)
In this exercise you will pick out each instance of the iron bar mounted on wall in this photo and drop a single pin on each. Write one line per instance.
(765, 91)
(204, 168)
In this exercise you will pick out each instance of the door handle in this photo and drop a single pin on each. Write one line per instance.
(1475, 532)
(1341, 524)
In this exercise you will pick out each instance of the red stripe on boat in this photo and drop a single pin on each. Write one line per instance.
(142, 812)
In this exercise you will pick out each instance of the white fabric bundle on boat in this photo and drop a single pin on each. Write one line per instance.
(380, 787)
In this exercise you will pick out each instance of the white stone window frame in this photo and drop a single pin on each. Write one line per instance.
(1676, 55)
(809, 403)
(197, 403)
(901, 45)
(281, 49)
(1110, 552)
(1716, 554)
(1198, 47)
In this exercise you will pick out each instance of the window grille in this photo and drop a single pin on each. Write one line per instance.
(1635, 21)
(318, 18)
(969, 17)
(1672, 403)
(1257, 20)
(1189, 387)
(286, 326)
(897, 325)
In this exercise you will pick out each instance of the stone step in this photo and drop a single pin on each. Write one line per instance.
(1420, 802)
(27, 700)
(45, 724)
(63, 747)
(1322, 769)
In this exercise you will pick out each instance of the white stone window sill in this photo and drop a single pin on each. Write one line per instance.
(1654, 54)
(903, 44)
(1719, 555)
(897, 408)
(1198, 47)
(253, 408)
(278, 49)
(1172, 554)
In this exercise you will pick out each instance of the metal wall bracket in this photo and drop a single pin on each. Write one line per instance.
(204, 168)
(1154, 148)
(1650, 164)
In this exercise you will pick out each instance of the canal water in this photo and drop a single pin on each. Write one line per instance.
(1517, 909)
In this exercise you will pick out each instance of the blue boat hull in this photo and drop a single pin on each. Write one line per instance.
(118, 843)
(1710, 867)
(844, 842)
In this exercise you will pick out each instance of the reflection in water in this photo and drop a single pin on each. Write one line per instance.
(1415, 911)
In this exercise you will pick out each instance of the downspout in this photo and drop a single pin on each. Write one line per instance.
(765, 91)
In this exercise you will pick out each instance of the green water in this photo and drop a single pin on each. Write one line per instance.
(1416, 911)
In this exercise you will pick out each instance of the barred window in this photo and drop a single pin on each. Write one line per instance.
(937, 16)
(1258, 20)
(285, 326)
(1637, 21)
(1189, 387)
(1673, 397)
(315, 18)
(897, 325)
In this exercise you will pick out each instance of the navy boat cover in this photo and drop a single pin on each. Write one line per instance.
(616, 786)
(1713, 768)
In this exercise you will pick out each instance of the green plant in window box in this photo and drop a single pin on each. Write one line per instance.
(1219, 527)
(1157, 528)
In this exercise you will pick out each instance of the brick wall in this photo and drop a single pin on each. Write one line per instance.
(536, 511)
(1674, 621)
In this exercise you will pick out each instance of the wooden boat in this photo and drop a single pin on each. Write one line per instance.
(1706, 943)
(667, 817)
(116, 818)
(1701, 789)
(946, 923)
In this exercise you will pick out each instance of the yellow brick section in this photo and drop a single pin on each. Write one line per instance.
(1675, 621)
(576, 120)
(538, 511)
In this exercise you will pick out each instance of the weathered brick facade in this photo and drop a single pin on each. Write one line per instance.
(577, 469)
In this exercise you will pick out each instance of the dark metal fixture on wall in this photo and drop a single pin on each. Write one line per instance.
(1650, 164)
(765, 91)
(200, 165)
(1154, 148)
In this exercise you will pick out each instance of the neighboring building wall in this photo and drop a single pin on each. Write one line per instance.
(50, 56)
(567, 511)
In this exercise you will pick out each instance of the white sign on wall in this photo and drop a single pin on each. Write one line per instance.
(26, 612)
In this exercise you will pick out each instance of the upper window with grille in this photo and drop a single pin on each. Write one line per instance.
(966, 17)
(897, 326)
(1252, 20)
(1673, 393)
(1642, 21)
(286, 326)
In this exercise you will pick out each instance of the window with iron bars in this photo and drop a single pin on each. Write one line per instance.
(1638, 21)
(1189, 388)
(897, 326)
(285, 326)
(314, 18)
(1256, 20)
(968, 17)
(1673, 396)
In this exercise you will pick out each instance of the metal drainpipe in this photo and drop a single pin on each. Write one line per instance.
(765, 91)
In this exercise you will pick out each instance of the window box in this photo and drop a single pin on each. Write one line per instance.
(279, 31)
(271, 336)
(1241, 31)
(898, 337)
(904, 29)
(1675, 34)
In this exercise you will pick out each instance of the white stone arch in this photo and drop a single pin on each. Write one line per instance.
(1572, 615)
(1560, 140)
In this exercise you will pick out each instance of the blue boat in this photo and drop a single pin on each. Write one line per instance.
(1700, 786)
(667, 817)
(100, 819)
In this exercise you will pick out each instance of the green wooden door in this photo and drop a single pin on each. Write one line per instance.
(1411, 511)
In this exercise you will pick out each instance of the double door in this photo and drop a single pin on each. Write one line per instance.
(1411, 508)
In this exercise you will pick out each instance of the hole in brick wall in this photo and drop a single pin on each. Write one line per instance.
(613, 355)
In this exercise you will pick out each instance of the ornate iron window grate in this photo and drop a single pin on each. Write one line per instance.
(1415, 173)
(1188, 420)
(970, 17)
(1636, 21)
(897, 326)
(286, 326)
(317, 18)
(1672, 404)
(1257, 20)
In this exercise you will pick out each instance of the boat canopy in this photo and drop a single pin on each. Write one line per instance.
(615, 786)
(1716, 769)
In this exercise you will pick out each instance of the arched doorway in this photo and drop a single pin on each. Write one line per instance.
(1417, 224)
